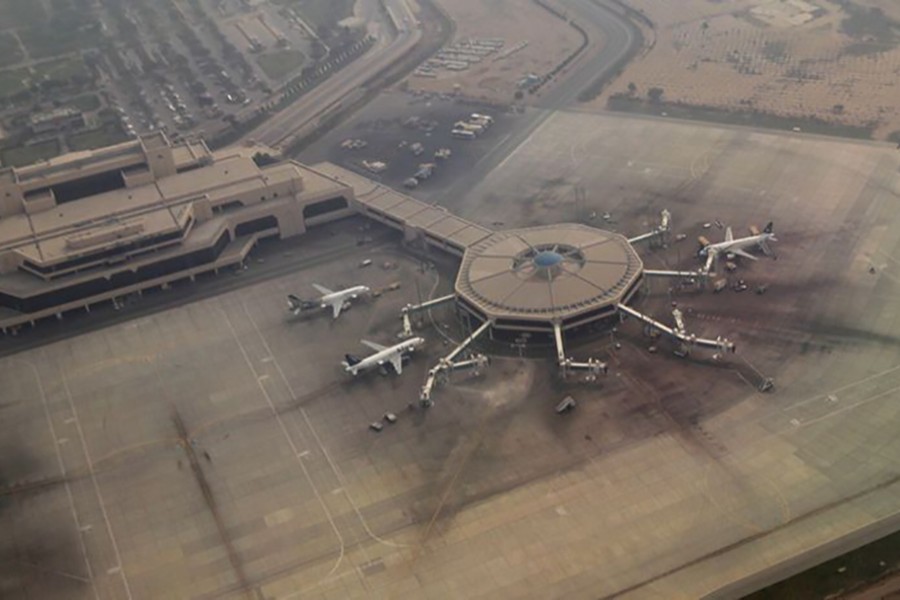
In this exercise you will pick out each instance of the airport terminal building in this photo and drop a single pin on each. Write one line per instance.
(91, 226)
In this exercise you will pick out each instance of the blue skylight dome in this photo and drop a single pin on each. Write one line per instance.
(547, 259)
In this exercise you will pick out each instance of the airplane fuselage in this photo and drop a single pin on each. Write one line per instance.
(738, 244)
(386, 356)
(343, 295)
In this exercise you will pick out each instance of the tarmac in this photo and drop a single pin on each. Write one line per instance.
(216, 450)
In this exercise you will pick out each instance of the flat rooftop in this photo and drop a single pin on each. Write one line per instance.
(43, 236)
(548, 273)
(433, 220)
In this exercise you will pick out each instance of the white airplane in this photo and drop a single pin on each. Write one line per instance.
(737, 246)
(338, 301)
(384, 355)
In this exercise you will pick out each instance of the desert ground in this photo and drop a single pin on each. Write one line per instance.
(833, 60)
(549, 41)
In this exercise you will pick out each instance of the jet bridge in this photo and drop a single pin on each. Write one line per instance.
(566, 364)
(660, 233)
(720, 344)
(413, 308)
(446, 364)
(711, 260)
(682, 274)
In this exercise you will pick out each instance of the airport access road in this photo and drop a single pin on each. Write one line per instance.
(331, 94)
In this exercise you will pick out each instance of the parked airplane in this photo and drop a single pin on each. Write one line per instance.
(384, 355)
(737, 246)
(338, 301)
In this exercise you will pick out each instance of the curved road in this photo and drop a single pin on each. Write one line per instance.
(620, 38)
(329, 94)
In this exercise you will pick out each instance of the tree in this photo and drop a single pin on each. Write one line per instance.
(317, 50)
(518, 95)
(632, 88)
(655, 94)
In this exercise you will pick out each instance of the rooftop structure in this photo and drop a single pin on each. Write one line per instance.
(91, 226)
(538, 279)
(550, 281)
(531, 278)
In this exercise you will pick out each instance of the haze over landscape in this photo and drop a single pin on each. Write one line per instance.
(449, 299)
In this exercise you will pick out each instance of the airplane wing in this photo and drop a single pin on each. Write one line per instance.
(729, 235)
(322, 289)
(397, 362)
(374, 346)
(337, 306)
(743, 253)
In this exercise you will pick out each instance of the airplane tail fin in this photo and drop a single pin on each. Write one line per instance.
(770, 228)
(297, 304)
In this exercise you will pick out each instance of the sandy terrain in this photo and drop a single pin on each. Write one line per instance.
(549, 42)
(776, 57)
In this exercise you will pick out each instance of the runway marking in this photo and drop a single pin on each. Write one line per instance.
(132, 447)
(743, 542)
(835, 391)
(784, 411)
(112, 362)
(289, 440)
(63, 574)
(850, 406)
(93, 476)
(479, 438)
(334, 468)
(511, 154)
(63, 471)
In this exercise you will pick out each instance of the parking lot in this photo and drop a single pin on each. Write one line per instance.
(391, 126)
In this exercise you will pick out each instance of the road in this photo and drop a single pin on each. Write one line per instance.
(327, 96)
(620, 38)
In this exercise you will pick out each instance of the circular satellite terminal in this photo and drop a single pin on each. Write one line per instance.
(570, 274)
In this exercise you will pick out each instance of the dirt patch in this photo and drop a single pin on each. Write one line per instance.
(831, 61)
(534, 40)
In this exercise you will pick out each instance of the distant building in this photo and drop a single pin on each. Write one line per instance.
(57, 120)
(91, 226)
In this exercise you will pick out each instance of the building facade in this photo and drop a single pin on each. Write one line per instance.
(90, 226)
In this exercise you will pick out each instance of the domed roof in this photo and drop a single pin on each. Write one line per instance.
(547, 273)
(547, 258)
